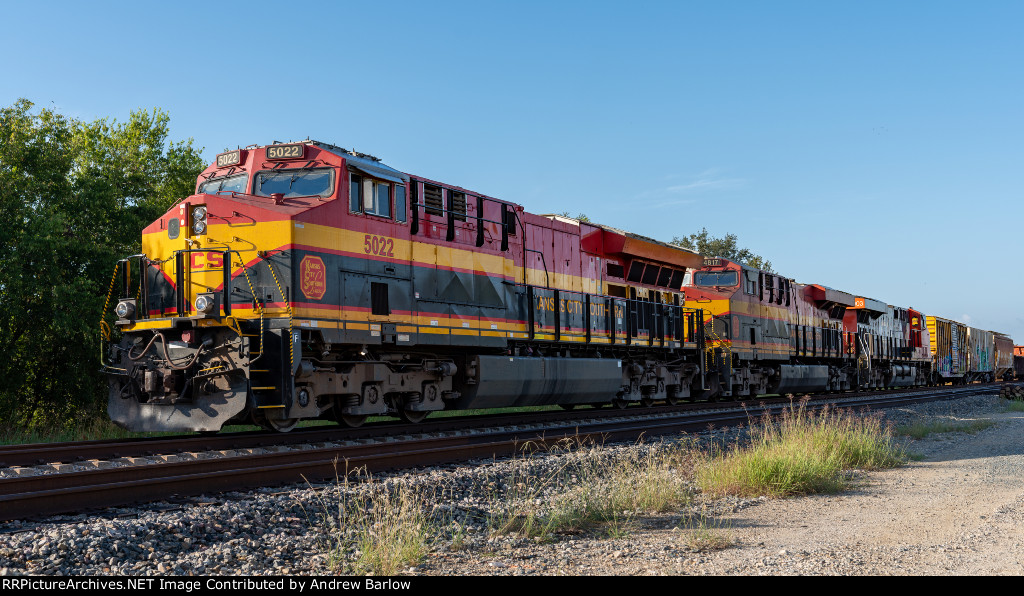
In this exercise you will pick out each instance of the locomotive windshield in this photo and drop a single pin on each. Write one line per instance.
(296, 183)
(225, 184)
(715, 278)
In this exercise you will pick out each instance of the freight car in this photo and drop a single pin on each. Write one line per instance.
(965, 354)
(304, 280)
(1003, 350)
(1018, 363)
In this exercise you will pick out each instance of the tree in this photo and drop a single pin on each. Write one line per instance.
(580, 217)
(74, 198)
(726, 247)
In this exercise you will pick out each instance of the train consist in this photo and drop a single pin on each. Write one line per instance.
(780, 336)
(304, 280)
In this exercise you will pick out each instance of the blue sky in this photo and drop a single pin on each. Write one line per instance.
(875, 147)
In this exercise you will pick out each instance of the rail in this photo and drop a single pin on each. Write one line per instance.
(27, 496)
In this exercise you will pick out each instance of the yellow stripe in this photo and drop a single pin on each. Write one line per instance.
(148, 324)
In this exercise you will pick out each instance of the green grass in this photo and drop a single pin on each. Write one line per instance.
(800, 453)
(86, 429)
(919, 430)
(94, 428)
(1014, 406)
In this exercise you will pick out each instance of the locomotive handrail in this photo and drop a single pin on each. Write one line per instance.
(547, 280)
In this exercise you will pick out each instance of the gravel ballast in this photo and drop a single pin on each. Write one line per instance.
(959, 509)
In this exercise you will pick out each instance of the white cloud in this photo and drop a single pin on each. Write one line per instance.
(687, 190)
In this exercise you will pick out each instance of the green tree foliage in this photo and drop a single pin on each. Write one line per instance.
(727, 247)
(74, 197)
(581, 217)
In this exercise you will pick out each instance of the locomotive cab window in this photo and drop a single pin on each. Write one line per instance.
(400, 203)
(749, 282)
(376, 197)
(715, 278)
(224, 184)
(318, 182)
(373, 197)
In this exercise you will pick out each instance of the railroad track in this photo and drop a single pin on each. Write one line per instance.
(318, 454)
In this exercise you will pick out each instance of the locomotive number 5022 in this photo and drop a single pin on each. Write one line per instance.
(381, 246)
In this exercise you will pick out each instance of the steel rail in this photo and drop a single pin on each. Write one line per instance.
(76, 491)
(77, 451)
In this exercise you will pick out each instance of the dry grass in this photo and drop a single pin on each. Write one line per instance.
(705, 532)
(382, 528)
(374, 528)
(592, 486)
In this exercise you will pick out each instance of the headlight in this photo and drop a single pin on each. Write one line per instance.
(204, 304)
(199, 220)
(125, 309)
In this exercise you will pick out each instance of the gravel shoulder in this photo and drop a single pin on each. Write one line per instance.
(959, 509)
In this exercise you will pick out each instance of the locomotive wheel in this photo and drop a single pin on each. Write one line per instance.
(647, 402)
(413, 417)
(352, 420)
(567, 406)
(620, 403)
(674, 401)
(282, 425)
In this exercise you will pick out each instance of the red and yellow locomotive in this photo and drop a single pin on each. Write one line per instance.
(304, 280)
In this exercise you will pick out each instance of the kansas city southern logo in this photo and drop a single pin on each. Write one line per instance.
(313, 274)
